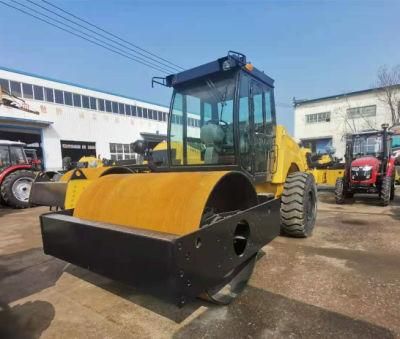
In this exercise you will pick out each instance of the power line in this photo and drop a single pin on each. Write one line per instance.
(93, 37)
(111, 34)
(173, 68)
(80, 36)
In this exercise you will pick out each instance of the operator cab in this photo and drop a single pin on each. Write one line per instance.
(368, 144)
(222, 117)
(12, 153)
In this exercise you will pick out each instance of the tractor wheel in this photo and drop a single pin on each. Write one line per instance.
(16, 188)
(386, 190)
(340, 193)
(392, 190)
(349, 194)
(299, 205)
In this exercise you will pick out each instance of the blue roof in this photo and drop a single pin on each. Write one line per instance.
(78, 85)
(25, 120)
(299, 102)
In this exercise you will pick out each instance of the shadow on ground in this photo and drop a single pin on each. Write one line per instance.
(4, 210)
(26, 321)
(136, 296)
(258, 314)
(27, 272)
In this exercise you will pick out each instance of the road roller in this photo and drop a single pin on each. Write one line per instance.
(191, 222)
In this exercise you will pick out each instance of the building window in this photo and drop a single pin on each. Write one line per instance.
(49, 94)
(27, 91)
(358, 112)
(68, 98)
(59, 96)
(16, 88)
(77, 100)
(164, 117)
(115, 107)
(85, 101)
(108, 106)
(5, 86)
(121, 108)
(121, 152)
(128, 110)
(38, 93)
(318, 117)
(133, 110)
(101, 105)
(145, 115)
(93, 103)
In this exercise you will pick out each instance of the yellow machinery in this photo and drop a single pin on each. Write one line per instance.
(326, 176)
(324, 167)
(191, 221)
(63, 190)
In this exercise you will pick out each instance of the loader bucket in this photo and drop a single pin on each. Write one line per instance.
(48, 190)
(63, 191)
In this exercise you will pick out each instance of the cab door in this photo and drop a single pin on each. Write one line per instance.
(258, 128)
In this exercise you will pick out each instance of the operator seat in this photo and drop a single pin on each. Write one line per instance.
(212, 135)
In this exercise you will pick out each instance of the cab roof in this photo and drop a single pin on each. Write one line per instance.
(11, 143)
(233, 60)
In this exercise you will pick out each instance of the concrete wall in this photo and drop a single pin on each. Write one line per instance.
(339, 124)
(80, 124)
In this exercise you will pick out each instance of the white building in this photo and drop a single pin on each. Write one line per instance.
(323, 122)
(62, 119)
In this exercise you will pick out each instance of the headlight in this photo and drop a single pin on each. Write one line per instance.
(355, 169)
(367, 168)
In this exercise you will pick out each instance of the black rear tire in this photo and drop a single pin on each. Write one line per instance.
(340, 193)
(299, 205)
(9, 195)
(392, 190)
(387, 183)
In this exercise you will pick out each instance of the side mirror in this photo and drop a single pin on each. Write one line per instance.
(140, 147)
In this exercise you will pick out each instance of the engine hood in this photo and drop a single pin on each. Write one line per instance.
(364, 161)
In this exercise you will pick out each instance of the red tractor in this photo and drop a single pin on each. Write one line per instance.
(16, 173)
(369, 166)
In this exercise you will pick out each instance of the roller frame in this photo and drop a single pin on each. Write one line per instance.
(165, 265)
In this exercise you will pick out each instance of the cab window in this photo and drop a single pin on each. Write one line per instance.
(4, 157)
(202, 122)
(244, 124)
(17, 156)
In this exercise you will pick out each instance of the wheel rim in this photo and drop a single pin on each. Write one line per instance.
(21, 189)
(223, 295)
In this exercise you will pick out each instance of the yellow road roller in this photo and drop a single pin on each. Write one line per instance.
(191, 224)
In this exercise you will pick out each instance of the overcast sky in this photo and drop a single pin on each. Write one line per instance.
(311, 48)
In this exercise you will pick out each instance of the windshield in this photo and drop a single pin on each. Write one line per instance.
(367, 145)
(201, 125)
(4, 157)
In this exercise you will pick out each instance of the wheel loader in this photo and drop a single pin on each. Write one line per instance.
(192, 225)
(324, 167)
(62, 190)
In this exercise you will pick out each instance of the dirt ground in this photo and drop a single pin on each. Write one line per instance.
(342, 282)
